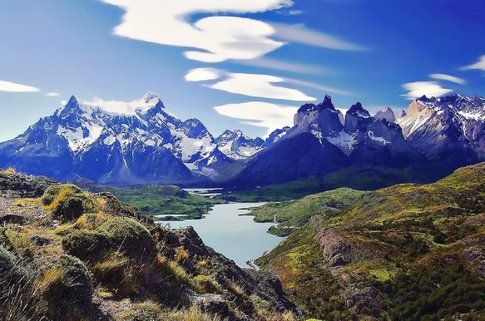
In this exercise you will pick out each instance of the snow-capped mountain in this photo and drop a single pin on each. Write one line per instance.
(319, 143)
(115, 142)
(237, 145)
(141, 142)
(449, 127)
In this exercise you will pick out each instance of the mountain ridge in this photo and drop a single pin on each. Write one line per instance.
(141, 142)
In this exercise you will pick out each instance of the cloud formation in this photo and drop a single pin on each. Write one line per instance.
(428, 88)
(203, 74)
(260, 114)
(276, 64)
(52, 94)
(479, 65)
(323, 88)
(301, 34)
(449, 78)
(17, 88)
(216, 38)
(262, 86)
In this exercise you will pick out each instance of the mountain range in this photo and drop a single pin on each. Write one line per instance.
(141, 142)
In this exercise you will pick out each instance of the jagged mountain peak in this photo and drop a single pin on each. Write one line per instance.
(358, 110)
(385, 114)
(236, 145)
(447, 127)
(106, 140)
(325, 104)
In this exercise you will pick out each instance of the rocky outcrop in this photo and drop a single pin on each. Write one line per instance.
(322, 118)
(386, 114)
(359, 296)
(14, 185)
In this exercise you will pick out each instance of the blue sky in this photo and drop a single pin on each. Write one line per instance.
(235, 64)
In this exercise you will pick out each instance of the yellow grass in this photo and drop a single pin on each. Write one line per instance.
(10, 171)
(64, 191)
(50, 277)
(181, 255)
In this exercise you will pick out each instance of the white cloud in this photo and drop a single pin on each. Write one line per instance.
(449, 78)
(18, 88)
(479, 65)
(52, 94)
(260, 114)
(300, 34)
(203, 74)
(118, 107)
(295, 12)
(429, 88)
(276, 64)
(217, 38)
(326, 89)
(255, 85)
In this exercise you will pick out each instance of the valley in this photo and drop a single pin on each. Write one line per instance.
(242, 160)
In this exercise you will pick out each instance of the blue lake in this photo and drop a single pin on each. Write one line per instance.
(237, 237)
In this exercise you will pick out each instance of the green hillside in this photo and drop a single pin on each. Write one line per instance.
(406, 252)
(163, 200)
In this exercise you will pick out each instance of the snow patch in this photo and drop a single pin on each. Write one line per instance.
(344, 141)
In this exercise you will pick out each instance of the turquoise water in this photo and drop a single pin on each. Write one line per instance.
(237, 237)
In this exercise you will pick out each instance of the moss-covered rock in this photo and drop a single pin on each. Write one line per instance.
(130, 237)
(68, 202)
(67, 288)
(87, 245)
(53, 191)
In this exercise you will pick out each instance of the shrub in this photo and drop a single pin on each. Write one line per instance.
(192, 314)
(88, 246)
(181, 255)
(205, 284)
(145, 311)
(90, 221)
(55, 193)
(130, 237)
(3, 237)
(20, 242)
(115, 273)
(68, 202)
(19, 301)
(66, 286)
(435, 293)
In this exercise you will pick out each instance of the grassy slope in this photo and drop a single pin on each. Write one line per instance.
(97, 257)
(413, 243)
(294, 214)
(366, 178)
(156, 200)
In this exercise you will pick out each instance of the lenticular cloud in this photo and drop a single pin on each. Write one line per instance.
(214, 38)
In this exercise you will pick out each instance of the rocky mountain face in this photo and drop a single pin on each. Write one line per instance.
(237, 145)
(386, 114)
(139, 142)
(447, 129)
(320, 143)
(69, 255)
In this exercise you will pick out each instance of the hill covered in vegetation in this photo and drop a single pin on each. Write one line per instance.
(162, 200)
(406, 252)
(67, 254)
